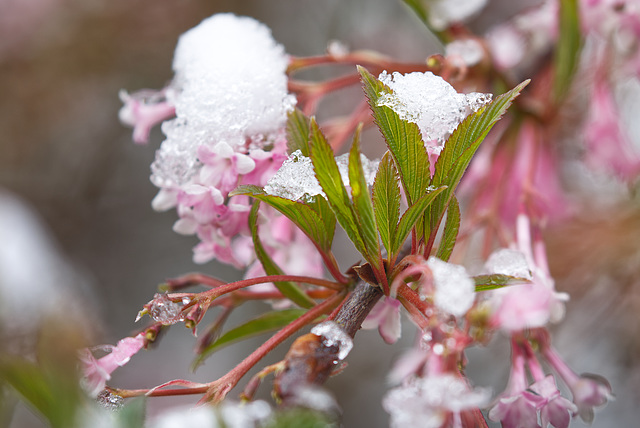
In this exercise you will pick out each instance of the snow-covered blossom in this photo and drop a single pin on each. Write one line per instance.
(228, 415)
(454, 289)
(443, 13)
(97, 371)
(526, 305)
(430, 102)
(385, 316)
(428, 402)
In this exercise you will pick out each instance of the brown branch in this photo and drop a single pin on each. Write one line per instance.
(309, 360)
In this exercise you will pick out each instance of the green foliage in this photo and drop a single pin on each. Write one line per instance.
(451, 228)
(403, 140)
(298, 417)
(411, 216)
(458, 152)
(315, 218)
(363, 207)
(494, 281)
(298, 132)
(328, 175)
(265, 323)
(386, 201)
(567, 53)
(288, 289)
(132, 414)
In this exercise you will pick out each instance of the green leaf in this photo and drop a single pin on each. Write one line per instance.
(459, 150)
(411, 216)
(290, 290)
(265, 323)
(363, 207)
(328, 175)
(451, 228)
(132, 415)
(315, 219)
(54, 394)
(298, 132)
(403, 138)
(418, 8)
(386, 201)
(567, 53)
(494, 281)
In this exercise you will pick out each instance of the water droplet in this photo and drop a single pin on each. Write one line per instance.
(333, 335)
(164, 311)
(110, 401)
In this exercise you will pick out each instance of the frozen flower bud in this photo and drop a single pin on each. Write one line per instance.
(455, 290)
(430, 102)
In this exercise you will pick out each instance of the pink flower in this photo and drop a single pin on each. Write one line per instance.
(517, 407)
(556, 410)
(223, 166)
(97, 372)
(143, 110)
(385, 316)
(589, 391)
(608, 146)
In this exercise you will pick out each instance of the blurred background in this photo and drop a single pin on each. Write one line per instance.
(64, 154)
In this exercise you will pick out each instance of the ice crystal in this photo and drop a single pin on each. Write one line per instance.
(333, 335)
(430, 102)
(296, 178)
(163, 310)
(110, 401)
(509, 262)
(219, 96)
(455, 290)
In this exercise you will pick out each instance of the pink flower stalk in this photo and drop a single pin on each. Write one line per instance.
(385, 316)
(608, 146)
(589, 391)
(517, 407)
(97, 372)
(145, 109)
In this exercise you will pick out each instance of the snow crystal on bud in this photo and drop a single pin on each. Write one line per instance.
(455, 290)
(443, 13)
(333, 335)
(163, 310)
(509, 262)
(230, 85)
(295, 179)
(430, 102)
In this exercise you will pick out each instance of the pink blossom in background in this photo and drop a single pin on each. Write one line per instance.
(385, 316)
(97, 372)
(145, 109)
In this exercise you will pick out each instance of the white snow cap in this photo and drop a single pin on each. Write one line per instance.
(230, 85)
(443, 13)
(509, 262)
(455, 290)
(430, 102)
(297, 178)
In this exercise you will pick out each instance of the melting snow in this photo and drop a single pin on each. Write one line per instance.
(509, 262)
(455, 290)
(333, 335)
